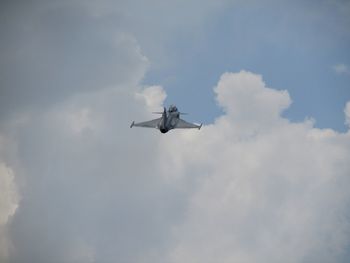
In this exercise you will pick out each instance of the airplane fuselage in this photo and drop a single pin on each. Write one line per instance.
(169, 120)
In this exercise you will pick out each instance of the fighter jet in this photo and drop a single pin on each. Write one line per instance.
(170, 120)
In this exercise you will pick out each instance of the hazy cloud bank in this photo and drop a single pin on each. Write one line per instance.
(250, 187)
(77, 185)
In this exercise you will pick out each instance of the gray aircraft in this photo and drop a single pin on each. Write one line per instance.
(170, 120)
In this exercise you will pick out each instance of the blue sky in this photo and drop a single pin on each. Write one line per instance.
(293, 45)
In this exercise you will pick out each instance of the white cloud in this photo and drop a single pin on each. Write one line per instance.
(156, 22)
(341, 69)
(347, 113)
(251, 187)
(8, 205)
(60, 50)
(90, 192)
(77, 166)
(80, 252)
(153, 95)
(248, 101)
(80, 120)
(261, 195)
(8, 193)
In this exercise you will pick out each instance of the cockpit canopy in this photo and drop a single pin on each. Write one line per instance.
(172, 108)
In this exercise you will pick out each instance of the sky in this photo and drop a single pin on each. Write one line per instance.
(266, 179)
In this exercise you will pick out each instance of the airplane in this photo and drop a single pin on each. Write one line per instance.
(170, 120)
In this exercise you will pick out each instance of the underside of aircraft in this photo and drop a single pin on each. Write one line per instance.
(170, 120)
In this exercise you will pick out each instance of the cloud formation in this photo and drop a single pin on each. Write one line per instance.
(8, 205)
(250, 187)
(9, 198)
(347, 113)
(53, 51)
(77, 185)
(266, 189)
